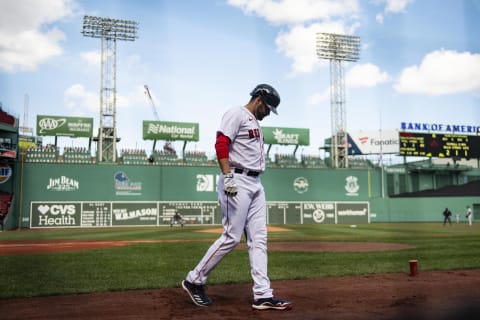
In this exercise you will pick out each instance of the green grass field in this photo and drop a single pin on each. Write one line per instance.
(165, 264)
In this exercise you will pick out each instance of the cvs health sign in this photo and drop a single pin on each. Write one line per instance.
(55, 214)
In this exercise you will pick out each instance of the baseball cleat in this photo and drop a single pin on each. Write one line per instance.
(196, 293)
(271, 303)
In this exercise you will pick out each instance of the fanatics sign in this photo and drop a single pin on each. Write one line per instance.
(373, 142)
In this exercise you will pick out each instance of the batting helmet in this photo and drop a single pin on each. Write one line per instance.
(268, 95)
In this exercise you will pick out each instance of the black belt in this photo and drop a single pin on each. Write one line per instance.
(248, 172)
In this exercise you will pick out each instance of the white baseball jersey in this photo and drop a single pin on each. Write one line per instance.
(246, 150)
(244, 213)
(469, 216)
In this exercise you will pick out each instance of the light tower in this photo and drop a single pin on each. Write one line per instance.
(338, 48)
(109, 31)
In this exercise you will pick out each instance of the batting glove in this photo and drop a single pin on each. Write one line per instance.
(230, 186)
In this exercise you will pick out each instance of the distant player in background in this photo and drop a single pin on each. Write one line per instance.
(240, 154)
(177, 219)
(446, 216)
(469, 215)
(457, 217)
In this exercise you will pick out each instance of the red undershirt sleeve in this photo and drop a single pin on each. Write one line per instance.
(221, 146)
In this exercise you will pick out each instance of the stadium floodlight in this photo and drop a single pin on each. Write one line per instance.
(97, 27)
(109, 31)
(338, 48)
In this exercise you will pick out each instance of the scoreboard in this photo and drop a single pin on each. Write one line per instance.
(439, 145)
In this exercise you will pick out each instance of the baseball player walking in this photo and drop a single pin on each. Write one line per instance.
(241, 158)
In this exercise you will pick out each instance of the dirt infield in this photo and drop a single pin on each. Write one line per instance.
(52, 246)
(429, 295)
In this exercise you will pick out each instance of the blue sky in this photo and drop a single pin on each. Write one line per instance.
(419, 62)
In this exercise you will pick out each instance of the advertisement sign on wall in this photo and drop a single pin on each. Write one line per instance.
(373, 142)
(170, 131)
(64, 126)
(65, 214)
(286, 136)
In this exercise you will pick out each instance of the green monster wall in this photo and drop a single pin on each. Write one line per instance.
(75, 195)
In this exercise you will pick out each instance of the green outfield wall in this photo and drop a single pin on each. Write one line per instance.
(58, 195)
(421, 209)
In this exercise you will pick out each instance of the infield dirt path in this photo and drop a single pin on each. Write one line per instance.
(429, 295)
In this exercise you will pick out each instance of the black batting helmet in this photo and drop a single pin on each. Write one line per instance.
(268, 95)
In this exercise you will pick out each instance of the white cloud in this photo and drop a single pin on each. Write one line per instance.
(79, 100)
(442, 72)
(299, 44)
(92, 58)
(319, 97)
(391, 6)
(136, 99)
(26, 41)
(298, 41)
(297, 11)
(365, 75)
(379, 17)
(396, 6)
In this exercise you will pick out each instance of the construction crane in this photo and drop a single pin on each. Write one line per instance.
(152, 104)
(168, 147)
